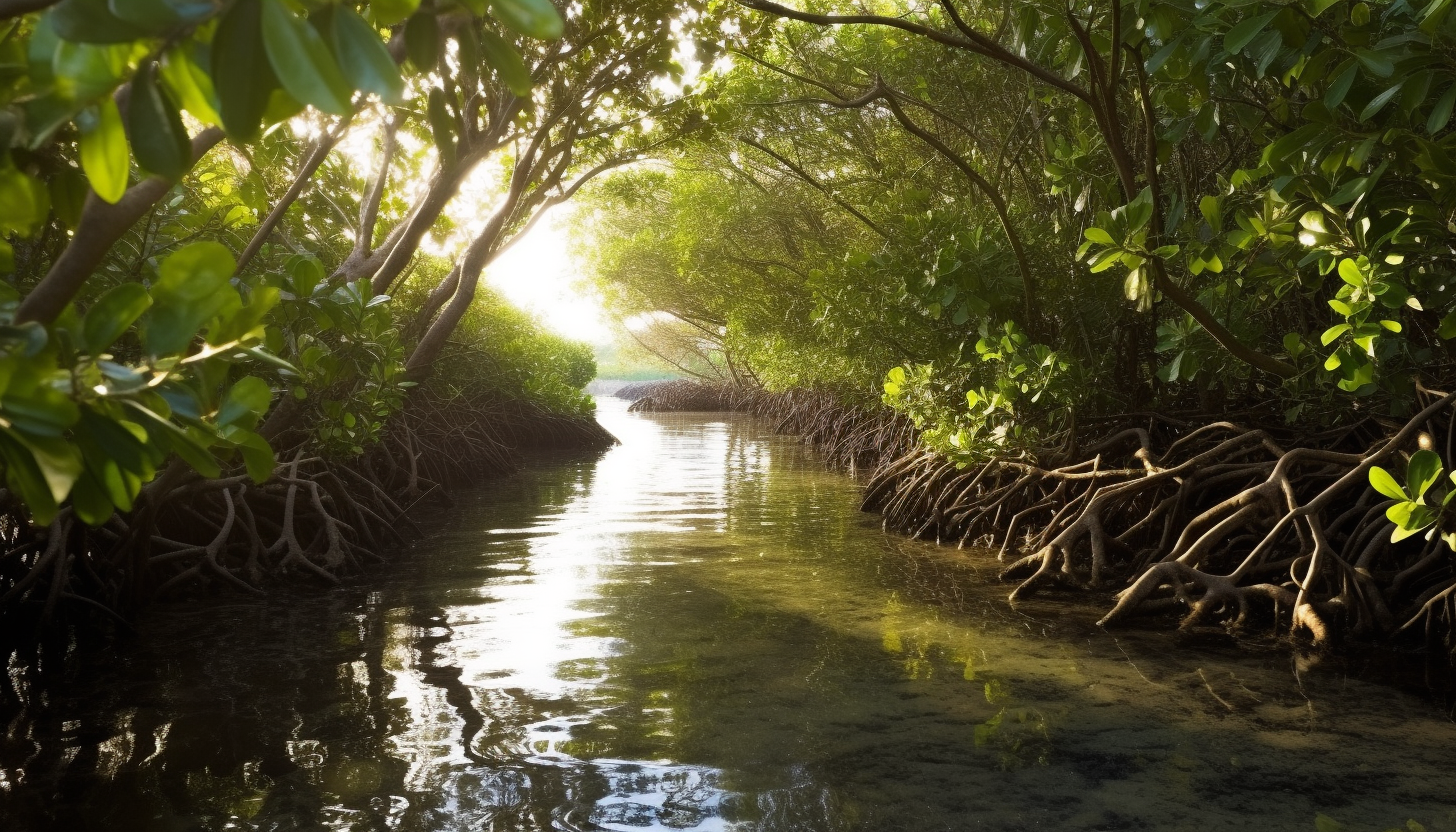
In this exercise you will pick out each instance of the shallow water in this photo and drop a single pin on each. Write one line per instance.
(697, 631)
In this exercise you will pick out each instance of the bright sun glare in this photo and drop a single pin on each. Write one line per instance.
(538, 274)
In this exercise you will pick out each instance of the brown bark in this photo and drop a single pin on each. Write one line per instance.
(312, 159)
(101, 225)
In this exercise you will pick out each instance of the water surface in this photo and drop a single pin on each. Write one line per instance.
(697, 631)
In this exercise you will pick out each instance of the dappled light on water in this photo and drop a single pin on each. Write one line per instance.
(697, 631)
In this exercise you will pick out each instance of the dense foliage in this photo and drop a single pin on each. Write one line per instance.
(1009, 214)
(230, 224)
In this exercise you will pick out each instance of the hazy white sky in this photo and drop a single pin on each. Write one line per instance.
(539, 275)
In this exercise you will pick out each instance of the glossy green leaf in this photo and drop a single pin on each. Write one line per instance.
(241, 72)
(158, 138)
(390, 12)
(422, 40)
(442, 126)
(506, 61)
(24, 477)
(1378, 102)
(24, 202)
(91, 21)
(68, 191)
(104, 154)
(1447, 329)
(536, 18)
(1246, 30)
(113, 314)
(90, 501)
(302, 62)
(245, 401)
(153, 15)
(1409, 519)
(1340, 87)
(58, 460)
(363, 57)
(1422, 472)
(84, 71)
(257, 456)
(1441, 113)
(191, 287)
(192, 87)
(1385, 484)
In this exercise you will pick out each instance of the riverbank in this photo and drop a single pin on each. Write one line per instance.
(313, 520)
(698, 630)
(1189, 523)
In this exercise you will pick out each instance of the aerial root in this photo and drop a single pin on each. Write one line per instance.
(1226, 524)
(314, 519)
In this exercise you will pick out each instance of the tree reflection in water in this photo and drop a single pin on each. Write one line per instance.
(697, 631)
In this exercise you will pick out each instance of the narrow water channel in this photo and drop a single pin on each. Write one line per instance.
(697, 631)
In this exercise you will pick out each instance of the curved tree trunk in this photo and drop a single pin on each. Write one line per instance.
(101, 225)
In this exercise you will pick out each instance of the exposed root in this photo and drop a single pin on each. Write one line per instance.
(1227, 524)
(314, 519)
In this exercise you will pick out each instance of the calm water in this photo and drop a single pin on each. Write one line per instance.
(697, 631)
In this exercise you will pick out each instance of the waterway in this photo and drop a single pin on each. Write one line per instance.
(697, 630)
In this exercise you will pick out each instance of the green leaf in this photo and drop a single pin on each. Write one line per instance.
(1378, 102)
(1385, 484)
(536, 18)
(192, 285)
(422, 40)
(1098, 235)
(363, 57)
(195, 271)
(1350, 272)
(113, 314)
(1409, 519)
(241, 71)
(68, 190)
(58, 460)
(1441, 113)
(1246, 30)
(1212, 209)
(1315, 8)
(1340, 87)
(24, 202)
(1422, 472)
(25, 479)
(158, 138)
(160, 15)
(91, 21)
(1378, 62)
(1161, 57)
(302, 61)
(1334, 332)
(390, 12)
(257, 456)
(442, 126)
(1447, 328)
(90, 501)
(104, 154)
(507, 62)
(244, 402)
(1350, 191)
(1325, 823)
(192, 86)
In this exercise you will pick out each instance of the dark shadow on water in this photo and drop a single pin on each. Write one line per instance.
(698, 631)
